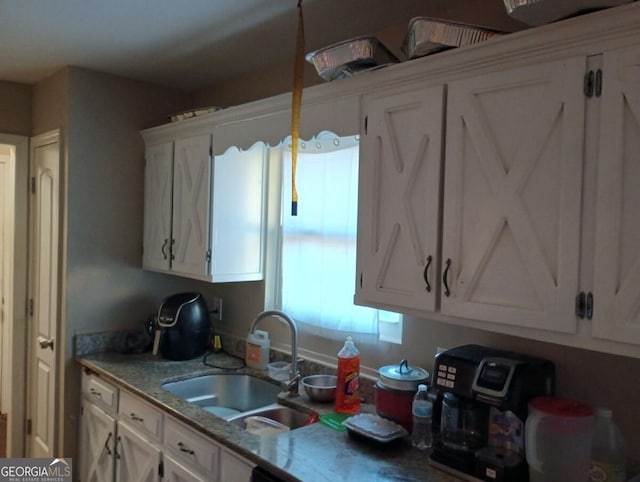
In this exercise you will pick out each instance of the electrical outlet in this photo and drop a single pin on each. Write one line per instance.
(216, 309)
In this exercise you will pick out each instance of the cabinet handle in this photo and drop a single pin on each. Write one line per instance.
(447, 265)
(95, 392)
(173, 241)
(115, 447)
(106, 444)
(425, 275)
(598, 83)
(185, 449)
(134, 417)
(164, 254)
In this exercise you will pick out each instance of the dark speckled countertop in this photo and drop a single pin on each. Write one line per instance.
(309, 454)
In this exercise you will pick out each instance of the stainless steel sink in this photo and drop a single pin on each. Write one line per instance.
(235, 397)
(288, 416)
(225, 394)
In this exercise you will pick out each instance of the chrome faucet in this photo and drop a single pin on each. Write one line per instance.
(294, 375)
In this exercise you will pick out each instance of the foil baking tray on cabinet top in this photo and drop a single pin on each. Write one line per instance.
(350, 57)
(539, 12)
(427, 35)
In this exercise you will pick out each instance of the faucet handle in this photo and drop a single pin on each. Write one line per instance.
(292, 385)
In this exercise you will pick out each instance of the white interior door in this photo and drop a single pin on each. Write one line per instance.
(4, 179)
(43, 296)
(14, 215)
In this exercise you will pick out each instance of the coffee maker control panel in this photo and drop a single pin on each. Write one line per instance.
(493, 377)
(453, 376)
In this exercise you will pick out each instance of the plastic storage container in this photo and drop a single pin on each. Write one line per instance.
(348, 383)
(257, 356)
(557, 426)
(608, 450)
(422, 409)
(279, 370)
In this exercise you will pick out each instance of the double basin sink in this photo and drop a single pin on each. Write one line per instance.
(236, 397)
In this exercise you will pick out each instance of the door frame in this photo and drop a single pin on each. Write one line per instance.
(15, 292)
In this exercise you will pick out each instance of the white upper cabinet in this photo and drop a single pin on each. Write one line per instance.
(399, 198)
(204, 215)
(528, 225)
(158, 189)
(191, 206)
(513, 181)
(616, 285)
(178, 206)
(239, 200)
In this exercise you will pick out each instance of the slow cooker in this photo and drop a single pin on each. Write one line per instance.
(395, 389)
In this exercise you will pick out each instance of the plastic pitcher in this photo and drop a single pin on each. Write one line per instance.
(558, 434)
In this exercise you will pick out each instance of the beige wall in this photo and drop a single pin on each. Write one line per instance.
(103, 157)
(50, 104)
(278, 79)
(596, 378)
(15, 108)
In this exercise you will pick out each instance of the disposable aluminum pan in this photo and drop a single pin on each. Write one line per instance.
(347, 58)
(539, 12)
(427, 35)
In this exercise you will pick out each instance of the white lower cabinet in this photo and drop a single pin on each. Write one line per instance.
(187, 448)
(97, 437)
(137, 459)
(176, 472)
(98, 429)
(125, 439)
(234, 468)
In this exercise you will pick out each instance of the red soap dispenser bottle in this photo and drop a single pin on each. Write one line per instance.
(348, 384)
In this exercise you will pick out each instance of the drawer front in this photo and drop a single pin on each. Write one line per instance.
(139, 414)
(100, 392)
(192, 448)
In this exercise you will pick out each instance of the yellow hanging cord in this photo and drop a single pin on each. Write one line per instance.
(296, 106)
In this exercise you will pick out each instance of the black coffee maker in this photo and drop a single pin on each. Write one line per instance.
(481, 408)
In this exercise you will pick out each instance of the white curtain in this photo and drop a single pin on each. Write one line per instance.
(318, 258)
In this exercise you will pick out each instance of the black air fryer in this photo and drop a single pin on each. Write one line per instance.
(185, 328)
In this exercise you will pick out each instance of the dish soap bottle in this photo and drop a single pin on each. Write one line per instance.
(348, 383)
(608, 453)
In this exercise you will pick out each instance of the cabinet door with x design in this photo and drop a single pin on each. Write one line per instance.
(399, 199)
(512, 196)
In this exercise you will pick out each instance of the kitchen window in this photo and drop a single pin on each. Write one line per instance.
(317, 249)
